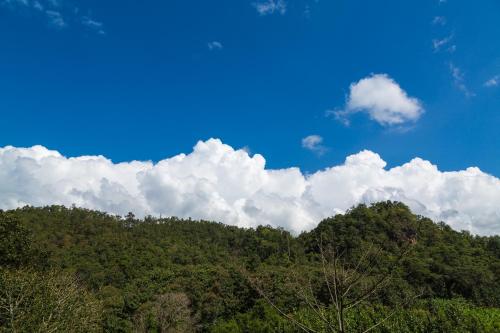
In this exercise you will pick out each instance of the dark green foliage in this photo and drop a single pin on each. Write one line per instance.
(35, 299)
(433, 316)
(15, 243)
(444, 262)
(128, 264)
(261, 318)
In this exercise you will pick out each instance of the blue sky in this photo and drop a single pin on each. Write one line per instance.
(147, 79)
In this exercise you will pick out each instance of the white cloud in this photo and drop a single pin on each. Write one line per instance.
(383, 99)
(93, 25)
(15, 2)
(215, 45)
(55, 18)
(38, 6)
(493, 82)
(439, 44)
(459, 80)
(314, 143)
(59, 14)
(307, 11)
(219, 183)
(439, 20)
(268, 7)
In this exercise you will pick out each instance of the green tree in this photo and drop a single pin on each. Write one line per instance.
(32, 301)
(168, 313)
(15, 242)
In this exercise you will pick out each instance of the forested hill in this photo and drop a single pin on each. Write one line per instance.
(130, 269)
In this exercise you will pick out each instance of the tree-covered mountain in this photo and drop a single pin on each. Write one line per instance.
(173, 275)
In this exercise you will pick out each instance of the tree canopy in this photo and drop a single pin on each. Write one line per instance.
(131, 269)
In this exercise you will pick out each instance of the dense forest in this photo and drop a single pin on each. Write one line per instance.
(77, 270)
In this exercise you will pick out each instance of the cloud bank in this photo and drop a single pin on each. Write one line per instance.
(217, 182)
(383, 99)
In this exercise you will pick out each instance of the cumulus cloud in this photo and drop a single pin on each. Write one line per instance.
(383, 99)
(268, 7)
(314, 143)
(217, 182)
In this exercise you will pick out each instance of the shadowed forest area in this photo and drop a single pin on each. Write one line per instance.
(77, 270)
